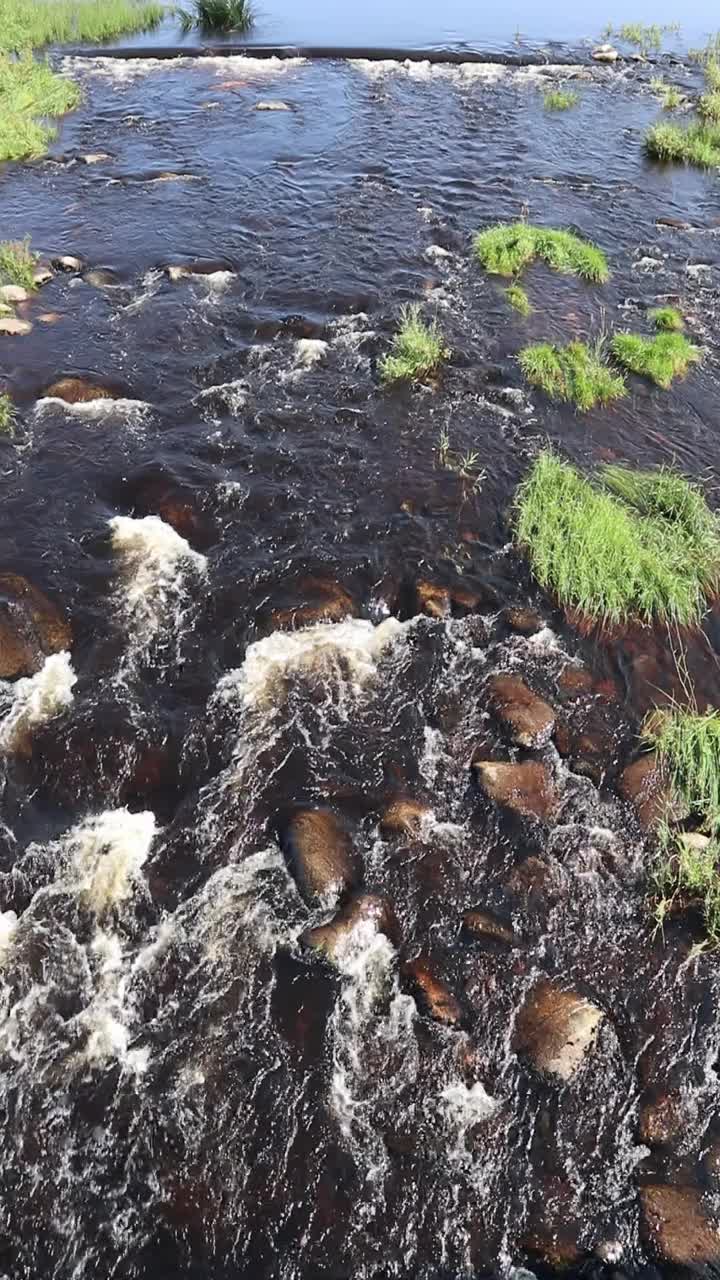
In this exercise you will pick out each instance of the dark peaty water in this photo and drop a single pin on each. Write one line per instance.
(186, 1088)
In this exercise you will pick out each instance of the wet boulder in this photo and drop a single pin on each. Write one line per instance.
(676, 1224)
(78, 391)
(643, 786)
(483, 926)
(532, 883)
(67, 262)
(13, 293)
(587, 741)
(526, 787)
(362, 909)
(432, 993)
(440, 601)
(273, 105)
(404, 816)
(320, 854)
(317, 600)
(556, 1029)
(527, 622)
(663, 1119)
(605, 53)
(528, 719)
(43, 275)
(12, 327)
(179, 508)
(554, 1226)
(31, 627)
(102, 278)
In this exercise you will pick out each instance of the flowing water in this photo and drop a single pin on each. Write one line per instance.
(186, 1089)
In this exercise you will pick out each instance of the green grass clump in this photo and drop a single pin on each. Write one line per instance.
(507, 248)
(697, 144)
(645, 37)
(667, 319)
(518, 299)
(30, 93)
(417, 349)
(709, 107)
(619, 546)
(574, 373)
(712, 74)
(32, 24)
(689, 870)
(18, 263)
(662, 359)
(7, 415)
(671, 96)
(560, 99)
(217, 15)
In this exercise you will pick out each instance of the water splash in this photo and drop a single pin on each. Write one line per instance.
(33, 700)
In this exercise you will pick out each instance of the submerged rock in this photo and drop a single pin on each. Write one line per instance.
(482, 925)
(42, 276)
(663, 1119)
(555, 1029)
(526, 787)
(321, 854)
(438, 600)
(78, 391)
(102, 278)
(13, 327)
(431, 991)
(363, 908)
(68, 263)
(31, 627)
(321, 600)
(527, 622)
(675, 1223)
(404, 816)
(94, 157)
(528, 718)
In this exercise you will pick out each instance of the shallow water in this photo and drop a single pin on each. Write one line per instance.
(185, 1090)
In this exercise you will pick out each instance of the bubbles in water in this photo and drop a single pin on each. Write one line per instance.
(36, 699)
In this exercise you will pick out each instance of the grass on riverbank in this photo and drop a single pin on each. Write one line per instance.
(18, 263)
(575, 373)
(696, 144)
(661, 359)
(507, 248)
(619, 546)
(417, 349)
(27, 24)
(667, 319)
(7, 415)
(560, 99)
(518, 299)
(31, 94)
(217, 15)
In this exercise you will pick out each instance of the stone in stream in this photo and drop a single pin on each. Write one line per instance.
(366, 908)
(42, 276)
(605, 53)
(676, 1225)
(31, 627)
(482, 925)
(272, 106)
(432, 993)
(438, 601)
(555, 1029)
(94, 157)
(529, 720)
(14, 328)
(643, 786)
(663, 1119)
(527, 622)
(525, 787)
(179, 507)
(318, 600)
(320, 854)
(68, 263)
(78, 391)
(404, 816)
(102, 278)
(13, 293)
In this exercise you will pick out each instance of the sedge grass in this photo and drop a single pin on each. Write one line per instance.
(518, 299)
(217, 15)
(18, 263)
(661, 359)
(507, 248)
(688, 748)
(695, 144)
(689, 868)
(709, 107)
(7, 415)
(33, 24)
(621, 545)
(644, 37)
(667, 319)
(560, 99)
(670, 96)
(417, 349)
(576, 373)
(30, 95)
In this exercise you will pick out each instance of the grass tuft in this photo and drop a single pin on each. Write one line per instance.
(217, 15)
(7, 415)
(623, 545)
(661, 359)
(709, 107)
(645, 37)
(32, 24)
(417, 349)
(697, 144)
(574, 373)
(30, 92)
(518, 299)
(667, 319)
(670, 96)
(560, 99)
(507, 248)
(18, 263)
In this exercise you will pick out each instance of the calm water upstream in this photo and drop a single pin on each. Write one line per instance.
(281, 600)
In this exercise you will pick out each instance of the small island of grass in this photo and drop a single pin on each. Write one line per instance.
(417, 349)
(507, 249)
(576, 374)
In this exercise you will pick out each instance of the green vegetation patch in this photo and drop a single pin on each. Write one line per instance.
(18, 263)
(662, 358)
(696, 144)
(507, 248)
(670, 96)
(30, 94)
(689, 868)
(217, 15)
(560, 99)
(644, 37)
(668, 319)
(518, 299)
(417, 349)
(709, 107)
(29, 24)
(621, 545)
(7, 415)
(574, 373)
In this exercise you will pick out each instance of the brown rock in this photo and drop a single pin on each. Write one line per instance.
(527, 787)
(675, 1224)
(321, 601)
(438, 601)
(575, 680)
(605, 53)
(482, 925)
(179, 508)
(14, 328)
(404, 816)
(662, 1120)
(525, 621)
(42, 276)
(364, 907)
(321, 854)
(31, 627)
(432, 992)
(531, 880)
(589, 745)
(553, 1226)
(555, 1029)
(94, 157)
(643, 786)
(49, 317)
(78, 391)
(529, 719)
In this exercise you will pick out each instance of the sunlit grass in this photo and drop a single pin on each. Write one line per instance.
(18, 263)
(507, 248)
(7, 415)
(560, 99)
(645, 37)
(661, 359)
(667, 319)
(217, 15)
(417, 349)
(575, 373)
(670, 96)
(518, 299)
(32, 24)
(695, 144)
(621, 545)
(709, 107)
(30, 94)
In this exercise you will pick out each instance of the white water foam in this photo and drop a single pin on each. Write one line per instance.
(156, 562)
(134, 412)
(232, 396)
(33, 700)
(126, 70)
(107, 853)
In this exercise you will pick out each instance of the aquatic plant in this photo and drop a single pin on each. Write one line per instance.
(30, 92)
(29, 24)
(560, 99)
(620, 545)
(667, 318)
(709, 107)
(697, 144)
(417, 348)
(574, 373)
(670, 95)
(7, 415)
(217, 15)
(507, 248)
(709, 53)
(18, 263)
(644, 37)
(518, 299)
(465, 465)
(688, 868)
(661, 359)
(688, 748)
